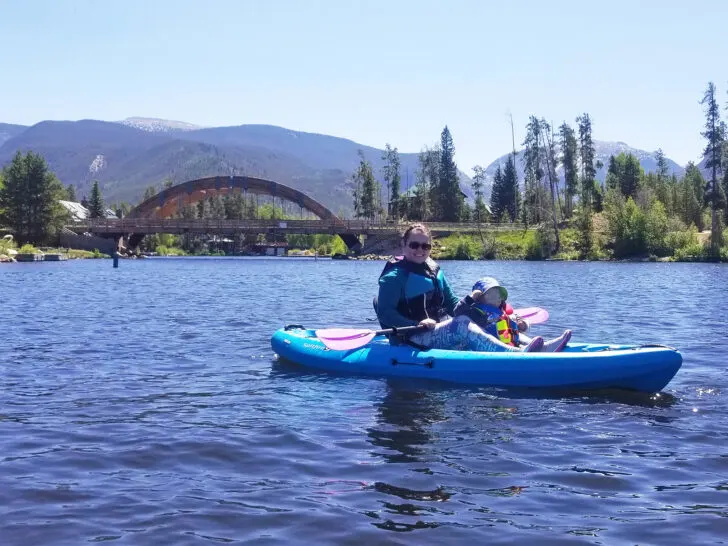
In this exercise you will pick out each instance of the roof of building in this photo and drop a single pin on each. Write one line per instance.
(79, 212)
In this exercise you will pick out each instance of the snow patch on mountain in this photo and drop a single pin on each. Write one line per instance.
(98, 164)
(157, 125)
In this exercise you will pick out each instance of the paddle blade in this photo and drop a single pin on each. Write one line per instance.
(344, 339)
(534, 315)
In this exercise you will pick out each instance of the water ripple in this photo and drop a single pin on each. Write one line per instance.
(144, 405)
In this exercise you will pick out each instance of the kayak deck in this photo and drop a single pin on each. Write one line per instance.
(646, 368)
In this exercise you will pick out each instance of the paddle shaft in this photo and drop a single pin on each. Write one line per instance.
(402, 330)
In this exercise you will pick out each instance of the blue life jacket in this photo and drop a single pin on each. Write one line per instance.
(422, 296)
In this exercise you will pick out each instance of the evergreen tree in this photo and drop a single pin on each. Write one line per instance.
(533, 170)
(368, 203)
(121, 209)
(425, 202)
(725, 178)
(569, 153)
(614, 174)
(673, 186)
(630, 176)
(480, 212)
(217, 207)
(150, 192)
(715, 135)
(71, 193)
(29, 199)
(691, 196)
(662, 166)
(96, 207)
(449, 193)
(511, 191)
(203, 208)
(588, 180)
(497, 195)
(392, 179)
(550, 156)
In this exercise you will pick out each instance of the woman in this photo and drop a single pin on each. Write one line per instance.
(414, 291)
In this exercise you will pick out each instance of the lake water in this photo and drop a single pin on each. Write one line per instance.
(144, 405)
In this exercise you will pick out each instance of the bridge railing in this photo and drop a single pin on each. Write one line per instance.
(138, 225)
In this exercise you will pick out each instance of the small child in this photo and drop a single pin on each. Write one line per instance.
(485, 306)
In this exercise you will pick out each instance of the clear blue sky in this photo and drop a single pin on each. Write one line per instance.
(374, 71)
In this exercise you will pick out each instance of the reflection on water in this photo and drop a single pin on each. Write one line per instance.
(404, 420)
(161, 417)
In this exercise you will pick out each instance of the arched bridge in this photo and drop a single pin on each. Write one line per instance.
(153, 216)
(171, 199)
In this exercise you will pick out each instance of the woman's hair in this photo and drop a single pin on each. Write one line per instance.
(414, 227)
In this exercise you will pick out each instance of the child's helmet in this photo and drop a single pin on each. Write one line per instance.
(487, 283)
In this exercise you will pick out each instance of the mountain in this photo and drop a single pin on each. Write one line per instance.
(156, 125)
(603, 150)
(81, 151)
(8, 131)
(129, 156)
(316, 150)
(126, 159)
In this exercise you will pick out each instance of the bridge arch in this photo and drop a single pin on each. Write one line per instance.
(167, 201)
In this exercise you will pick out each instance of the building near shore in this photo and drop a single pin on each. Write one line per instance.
(79, 213)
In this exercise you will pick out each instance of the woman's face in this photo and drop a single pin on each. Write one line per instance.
(417, 247)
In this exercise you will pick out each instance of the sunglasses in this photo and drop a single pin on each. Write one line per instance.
(414, 245)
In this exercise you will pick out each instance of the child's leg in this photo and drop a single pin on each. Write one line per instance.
(557, 344)
(462, 333)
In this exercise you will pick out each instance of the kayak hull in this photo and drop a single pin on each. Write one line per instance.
(580, 365)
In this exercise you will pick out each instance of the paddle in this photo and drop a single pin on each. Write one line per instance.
(344, 339)
(534, 315)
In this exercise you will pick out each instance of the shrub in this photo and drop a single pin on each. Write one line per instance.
(690, 253)
(28, 249)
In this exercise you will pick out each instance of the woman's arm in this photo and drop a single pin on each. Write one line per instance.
(390, 292)
(450, 300)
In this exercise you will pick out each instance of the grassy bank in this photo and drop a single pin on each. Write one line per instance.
(681, 245)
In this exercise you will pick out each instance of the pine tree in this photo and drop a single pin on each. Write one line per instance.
(149, 192)
(497, 195)
(588, 180)
(511, 191)
(71, 193)
(217, 207)
(568, 160)
(532, 166)
(368, 203)
(426, 204)
(662, 167)
(203, 209)
(691, 196)
(96, 207)
(449, 193)
(550, 156)
(725, 178)
(29, 199)
(392, 179)
(715, 135)
(480, 212)
(630, 175)
(614, 174)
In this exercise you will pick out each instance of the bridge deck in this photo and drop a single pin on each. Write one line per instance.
(340, 227)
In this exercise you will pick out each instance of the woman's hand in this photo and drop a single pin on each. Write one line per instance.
(428, 323)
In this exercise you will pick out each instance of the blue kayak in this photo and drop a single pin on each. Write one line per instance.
(646, 368)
